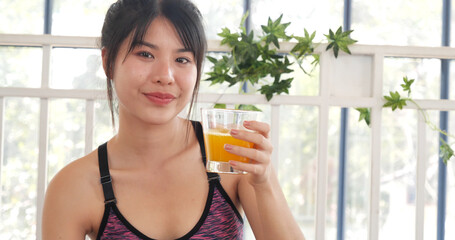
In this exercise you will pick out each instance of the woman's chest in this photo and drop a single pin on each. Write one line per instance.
(160, 206)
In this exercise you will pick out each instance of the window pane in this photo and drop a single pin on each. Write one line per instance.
(22, 16)
(20, 66)
(312, 15)
(304, 84)
(398, 174)
(75, 68)
(82, 19)
(358, 159)
(218, 14)
(397, 22)
(19, 169)
(66, 133)
(102, 129)
(298, 163)
(426, 72)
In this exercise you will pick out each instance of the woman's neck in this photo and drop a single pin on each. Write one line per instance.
(142, 141)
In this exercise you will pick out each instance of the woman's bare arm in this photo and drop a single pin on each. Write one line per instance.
(68, 211)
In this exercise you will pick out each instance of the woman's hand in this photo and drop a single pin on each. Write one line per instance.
(260, 167)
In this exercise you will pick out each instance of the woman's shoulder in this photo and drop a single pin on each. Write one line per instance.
(79, 172)
(74, 196)
(77, 184)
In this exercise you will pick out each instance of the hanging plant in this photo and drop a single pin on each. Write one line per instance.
(252, 59)
(395, 101)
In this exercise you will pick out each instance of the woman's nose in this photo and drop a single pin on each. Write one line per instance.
(163, 73)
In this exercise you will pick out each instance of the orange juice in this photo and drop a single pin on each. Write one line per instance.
(214, 147)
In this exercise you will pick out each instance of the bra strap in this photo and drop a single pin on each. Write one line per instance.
(200, 138)
(106, 180)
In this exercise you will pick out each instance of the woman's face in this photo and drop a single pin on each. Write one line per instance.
(156, 79)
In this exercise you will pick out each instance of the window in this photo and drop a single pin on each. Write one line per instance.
(397, 22)
(22, 17)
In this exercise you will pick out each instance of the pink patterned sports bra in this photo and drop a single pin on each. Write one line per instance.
(220, 219)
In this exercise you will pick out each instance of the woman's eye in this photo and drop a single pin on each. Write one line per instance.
(146, 55)
(182, 60)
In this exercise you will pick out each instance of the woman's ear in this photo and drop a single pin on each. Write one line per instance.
(104, 57)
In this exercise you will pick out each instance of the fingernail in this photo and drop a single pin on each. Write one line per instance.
(246, 123)
(233, 163)
(227, 146)
(234, 131)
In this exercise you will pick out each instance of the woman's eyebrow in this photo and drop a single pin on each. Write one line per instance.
(150, 45)
(153, 46)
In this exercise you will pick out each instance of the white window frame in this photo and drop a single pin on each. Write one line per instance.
(323, 101)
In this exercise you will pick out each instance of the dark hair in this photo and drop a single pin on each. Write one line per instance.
(133, 17)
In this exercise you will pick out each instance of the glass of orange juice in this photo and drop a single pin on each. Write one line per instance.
(216, 125)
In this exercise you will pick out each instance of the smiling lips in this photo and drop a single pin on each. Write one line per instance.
(160, 98)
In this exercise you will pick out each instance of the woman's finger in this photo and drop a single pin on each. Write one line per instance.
(250, 153)
(259, 140)
(260, 127)
(255, 169)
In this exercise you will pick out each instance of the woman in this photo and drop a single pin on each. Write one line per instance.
(149, 180)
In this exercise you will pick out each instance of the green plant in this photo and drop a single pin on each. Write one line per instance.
(256, 60)
(395, 101)
(339, 40)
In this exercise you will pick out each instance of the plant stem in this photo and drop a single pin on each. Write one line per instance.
(428, 122)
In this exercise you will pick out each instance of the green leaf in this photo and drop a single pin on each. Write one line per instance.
(277, 87)
(446, 152)
(220, 71)
(242, 22)
(365, 114)
(220, 105)
(304, 45)
(316, 59)
(274, 31)
(395, 101)
(212, 59)
(248, 107)
(229, 38)
(339, 41)
(407, 85)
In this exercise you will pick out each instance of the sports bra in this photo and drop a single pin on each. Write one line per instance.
(220, 218)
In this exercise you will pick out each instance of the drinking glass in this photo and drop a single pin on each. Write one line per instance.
(217, 124)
